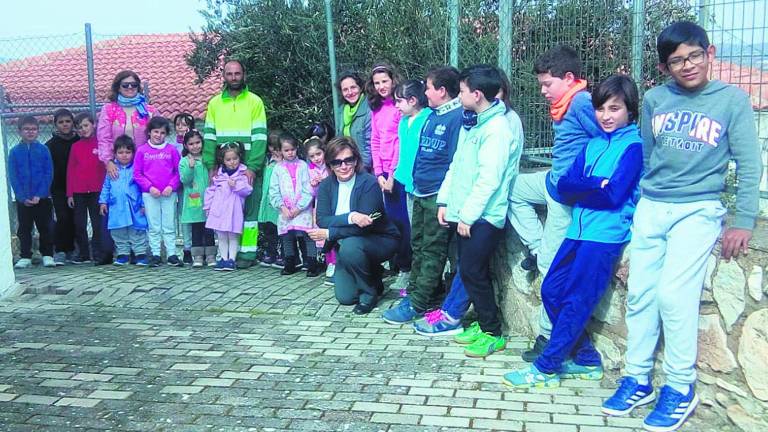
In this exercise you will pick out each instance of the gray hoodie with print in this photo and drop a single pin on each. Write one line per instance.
(688, 139)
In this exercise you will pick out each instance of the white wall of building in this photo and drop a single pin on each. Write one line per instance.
(7, 278)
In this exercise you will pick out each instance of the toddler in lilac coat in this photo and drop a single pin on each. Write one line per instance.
(224, 201)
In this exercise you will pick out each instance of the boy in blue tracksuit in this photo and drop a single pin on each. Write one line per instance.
(602, 187)
(559, 73)
(692, 127)
(122, 203)
(30, 171)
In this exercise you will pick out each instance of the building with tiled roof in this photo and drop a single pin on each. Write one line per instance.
(752, 80)
(60, 78)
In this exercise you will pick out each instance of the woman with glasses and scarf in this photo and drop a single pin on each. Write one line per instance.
(127, 113)
(352, 220)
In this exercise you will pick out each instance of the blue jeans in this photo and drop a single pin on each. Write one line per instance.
(395, 204)
(456, 303)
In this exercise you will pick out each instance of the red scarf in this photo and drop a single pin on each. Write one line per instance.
(558, 108)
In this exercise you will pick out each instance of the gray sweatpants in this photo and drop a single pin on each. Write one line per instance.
(127, 239)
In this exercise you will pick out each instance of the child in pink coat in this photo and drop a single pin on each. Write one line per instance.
(224, 202)
(317, 172)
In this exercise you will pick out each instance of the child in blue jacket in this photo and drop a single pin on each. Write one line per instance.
(121, 201)
(30, 172)
(602, 187)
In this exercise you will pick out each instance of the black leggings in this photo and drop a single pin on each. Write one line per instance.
(202, 236)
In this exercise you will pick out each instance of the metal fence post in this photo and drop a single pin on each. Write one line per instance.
(332, 62)
(91, 75)
(505, 37)
(703, 13)
(453, 13)
(638, 14)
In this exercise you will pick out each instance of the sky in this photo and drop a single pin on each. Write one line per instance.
(25, 18)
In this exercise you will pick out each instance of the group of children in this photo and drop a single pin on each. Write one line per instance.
(611, 185)
(446, 154)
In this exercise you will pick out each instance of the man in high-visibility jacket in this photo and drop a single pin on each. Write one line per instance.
(237, 115)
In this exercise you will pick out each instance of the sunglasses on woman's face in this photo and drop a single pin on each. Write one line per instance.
(350, 161)
(129, 85)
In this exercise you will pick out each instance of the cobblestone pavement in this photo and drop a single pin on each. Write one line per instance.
(106, 348)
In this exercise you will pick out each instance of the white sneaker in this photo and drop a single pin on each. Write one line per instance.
(48, 261)
(23, 263)
(330, 270)
(403, 278)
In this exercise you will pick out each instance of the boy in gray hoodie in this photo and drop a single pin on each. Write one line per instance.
(691, 128)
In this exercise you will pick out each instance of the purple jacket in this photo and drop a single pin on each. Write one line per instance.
(224, 204)
(156, 167)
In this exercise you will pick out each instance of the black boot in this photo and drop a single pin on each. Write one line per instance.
(105, 259)
(313, 268)
(289, 267)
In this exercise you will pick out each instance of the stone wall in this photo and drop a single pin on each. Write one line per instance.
(733, 326)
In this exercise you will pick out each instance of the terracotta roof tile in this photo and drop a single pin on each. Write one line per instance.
(61, 77)
(751, 80)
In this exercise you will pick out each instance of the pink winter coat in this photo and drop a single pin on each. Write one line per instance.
(385, 144)
(224, 204)
(111, 125)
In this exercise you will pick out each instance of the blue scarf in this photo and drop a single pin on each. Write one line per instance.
(138, 101)
(469, 119)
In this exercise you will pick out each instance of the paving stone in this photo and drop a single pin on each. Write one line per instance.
(7, 397)
(191, 366)
(181, 389)
(395, 418)
(78, 402)
(267, 353)
(36, 399)
(110, 394)
(445, 421)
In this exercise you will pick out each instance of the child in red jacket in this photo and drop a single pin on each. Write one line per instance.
(85, 176)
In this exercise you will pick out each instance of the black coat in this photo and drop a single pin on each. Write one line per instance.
(59, 148)
(366, 198)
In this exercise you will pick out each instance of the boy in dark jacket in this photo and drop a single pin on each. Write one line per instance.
(59, 146)
(30, 171)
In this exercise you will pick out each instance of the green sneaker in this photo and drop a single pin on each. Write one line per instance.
(469, 335)
(485, 345)
(530, 377)
(572, 370)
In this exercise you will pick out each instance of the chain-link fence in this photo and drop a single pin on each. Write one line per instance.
(41, 74)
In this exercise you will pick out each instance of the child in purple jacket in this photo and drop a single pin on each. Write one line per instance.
(224, 201)
(156, 171)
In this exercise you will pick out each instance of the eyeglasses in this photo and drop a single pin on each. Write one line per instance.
(129, 85)
(696, 58)
(350, 161)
